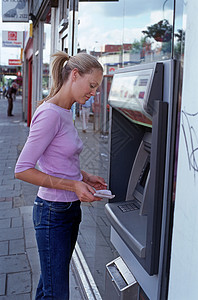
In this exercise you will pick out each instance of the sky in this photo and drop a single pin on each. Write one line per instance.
(102, 23)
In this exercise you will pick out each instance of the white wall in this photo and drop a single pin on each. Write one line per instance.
(183, 283)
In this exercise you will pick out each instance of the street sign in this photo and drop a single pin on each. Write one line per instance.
(12, 39)
(15, 11)
(14, 62)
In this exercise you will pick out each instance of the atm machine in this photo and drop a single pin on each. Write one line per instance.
(141, 171)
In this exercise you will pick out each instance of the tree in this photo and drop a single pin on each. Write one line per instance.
(179, 43)
(138, 45)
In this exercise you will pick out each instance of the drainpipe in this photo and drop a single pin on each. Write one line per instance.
(73, 35)
(73, 27)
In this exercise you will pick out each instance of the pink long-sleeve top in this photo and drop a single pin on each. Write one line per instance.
(54, 143)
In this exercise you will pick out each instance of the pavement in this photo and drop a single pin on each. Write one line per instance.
(19, 263)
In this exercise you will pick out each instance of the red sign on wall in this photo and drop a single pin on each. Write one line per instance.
(14, 62)
(12, 35)
(12, 38)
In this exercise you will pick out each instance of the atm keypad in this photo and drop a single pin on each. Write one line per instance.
(129, 207)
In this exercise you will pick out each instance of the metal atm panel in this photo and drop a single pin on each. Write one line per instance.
(136, 211)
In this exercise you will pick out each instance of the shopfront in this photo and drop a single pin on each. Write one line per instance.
(120, 34)
(123, 34)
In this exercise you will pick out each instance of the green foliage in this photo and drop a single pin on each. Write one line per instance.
(160, 31)
(138, 45)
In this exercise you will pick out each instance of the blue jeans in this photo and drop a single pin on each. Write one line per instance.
(56, 225)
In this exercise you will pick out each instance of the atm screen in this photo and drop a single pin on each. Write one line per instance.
(129, 95)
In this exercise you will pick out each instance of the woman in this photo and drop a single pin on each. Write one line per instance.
(54, 143)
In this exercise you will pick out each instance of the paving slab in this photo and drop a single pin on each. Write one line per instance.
(17, 297)
(6, 205)
(14, 263)
(30, 240)
(5, 223)
(33, 258)
(2, 284)
(11, 233)
(9, 213)
(16, 246)
(19, 283)
(17, 222)
(4, 248)
(10, 193)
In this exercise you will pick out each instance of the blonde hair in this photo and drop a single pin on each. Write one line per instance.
(63, 64)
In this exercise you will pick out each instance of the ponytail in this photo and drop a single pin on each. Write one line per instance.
(60, 58)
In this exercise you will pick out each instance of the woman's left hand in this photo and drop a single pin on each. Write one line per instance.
(95, 181)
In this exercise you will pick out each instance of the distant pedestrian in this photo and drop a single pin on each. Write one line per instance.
(54, 143)
(10, 94)
(86, 108)
(4, 91)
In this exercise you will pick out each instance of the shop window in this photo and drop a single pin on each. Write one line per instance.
(46, 56)
(119, 34)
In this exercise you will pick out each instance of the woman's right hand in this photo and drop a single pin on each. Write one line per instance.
(85, 192)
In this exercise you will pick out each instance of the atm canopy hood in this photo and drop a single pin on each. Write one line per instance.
(134, 90)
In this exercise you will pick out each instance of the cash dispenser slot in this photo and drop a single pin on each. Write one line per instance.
(137, 217)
